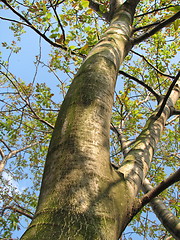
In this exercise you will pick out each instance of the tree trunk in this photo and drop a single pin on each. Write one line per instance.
(82, 196)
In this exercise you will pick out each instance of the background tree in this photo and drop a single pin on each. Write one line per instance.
(85, 195)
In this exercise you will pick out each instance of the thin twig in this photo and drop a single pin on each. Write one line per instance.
(13, 153)
(36, 116)
(5, 144)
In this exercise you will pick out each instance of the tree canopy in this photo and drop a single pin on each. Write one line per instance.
(29, 106)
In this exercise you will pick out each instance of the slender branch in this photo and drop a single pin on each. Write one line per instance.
(167, 95)
(19, 109)
(155, 10)
(156, 29)
(12, 153)
(38, 57)
(2, 153)
(173, 119)
(12, 20)
(34, 129)
(57, 3)
(5, 144)
(146, 26)
(31, 26)
(18, 211)
(59, 22)
(175, 177)
(124, 143)
(164, 74)
(142, 83)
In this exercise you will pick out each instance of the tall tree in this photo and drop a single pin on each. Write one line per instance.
(88, 190)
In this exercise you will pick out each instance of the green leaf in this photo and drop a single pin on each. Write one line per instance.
(175, 9)
(44, 9)
(176, 24)
(54, 35)
(84, 3)
(102, 8)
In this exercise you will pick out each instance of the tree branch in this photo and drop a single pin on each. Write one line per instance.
(146, 26)
(18, 211)
(12, 20)
(142, 83)
(136, 163)
(12, 153)
(173, 119)
(175, 177)
(157, 70)
(124, 143)
(155, 10)
(2, 153)
(156, 29)
(5, 145)
(169, 221)
(168, 94)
